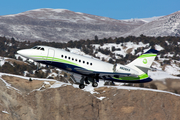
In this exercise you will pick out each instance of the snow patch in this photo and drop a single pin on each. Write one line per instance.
(59, 10)
(2, 61)
(23, 58)
(172, 69)
(124, 48)
(79, 13)
(100, 98)
(5, 112)
(58, 84)
(101, 56)
(146, 89)
(158, 47)
(161, 75)
(147, 20)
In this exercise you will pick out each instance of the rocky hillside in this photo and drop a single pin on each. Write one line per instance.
(164, 26)
(43, 99)
(62, 25)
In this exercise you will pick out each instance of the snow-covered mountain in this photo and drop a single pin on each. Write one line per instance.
(164, 26)
(62, 25)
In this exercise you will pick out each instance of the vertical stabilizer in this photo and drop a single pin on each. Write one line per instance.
(142, 63)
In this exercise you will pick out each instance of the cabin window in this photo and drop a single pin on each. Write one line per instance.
(87, 63)
(39, 48)
(62, 56)
(83, 61)
(75, 59)
(79, 60)
(90, 63)
(72, 58)
(65, 56)
(69, 58)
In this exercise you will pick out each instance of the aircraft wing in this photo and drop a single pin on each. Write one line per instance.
(83, 71)
(108, 74)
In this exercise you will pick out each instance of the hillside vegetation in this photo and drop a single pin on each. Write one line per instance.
(111, 50)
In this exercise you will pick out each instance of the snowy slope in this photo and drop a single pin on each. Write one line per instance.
(164, 26)
(88, 88)
(125, 48)
(61, 25)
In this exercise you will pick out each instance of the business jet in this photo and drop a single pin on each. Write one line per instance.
(90, 69)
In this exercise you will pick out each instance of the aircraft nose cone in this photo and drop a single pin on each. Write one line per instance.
(20, 52)
(23, 52)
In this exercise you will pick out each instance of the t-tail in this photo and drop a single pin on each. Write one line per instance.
(141, 64)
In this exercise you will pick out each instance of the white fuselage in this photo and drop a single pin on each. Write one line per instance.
(59, 55)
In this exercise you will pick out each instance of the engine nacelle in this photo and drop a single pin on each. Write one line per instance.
(124, 69)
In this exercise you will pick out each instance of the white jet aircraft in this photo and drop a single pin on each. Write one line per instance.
(92, 69)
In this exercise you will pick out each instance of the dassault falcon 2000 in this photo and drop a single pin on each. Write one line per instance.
(92, 69)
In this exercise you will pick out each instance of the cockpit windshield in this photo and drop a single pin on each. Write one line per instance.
(38, 48)
(34, 47)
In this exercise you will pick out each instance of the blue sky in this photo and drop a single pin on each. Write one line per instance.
(117, 9)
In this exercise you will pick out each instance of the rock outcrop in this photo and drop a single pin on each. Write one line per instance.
(70, 103)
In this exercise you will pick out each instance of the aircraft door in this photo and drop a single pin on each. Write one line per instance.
(50, 56)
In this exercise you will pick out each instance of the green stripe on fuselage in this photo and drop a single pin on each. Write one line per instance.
(140, 77)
